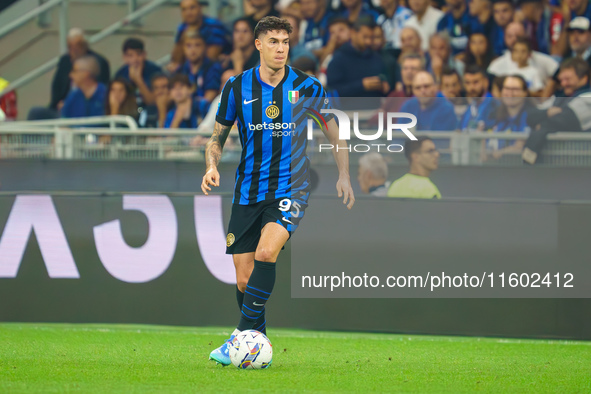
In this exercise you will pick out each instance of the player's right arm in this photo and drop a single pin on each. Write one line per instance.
(225, 118)
(213, 154)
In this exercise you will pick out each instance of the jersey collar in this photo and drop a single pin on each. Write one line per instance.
(258, 75)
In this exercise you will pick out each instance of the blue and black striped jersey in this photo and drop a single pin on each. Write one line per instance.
(272, 131)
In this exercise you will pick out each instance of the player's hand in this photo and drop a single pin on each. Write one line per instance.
(345, 190)
(211, 177)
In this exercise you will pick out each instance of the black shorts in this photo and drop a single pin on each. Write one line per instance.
(247, 221)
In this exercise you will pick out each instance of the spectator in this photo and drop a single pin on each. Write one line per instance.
(545, 65)
(184, 114)
(215, 34)
(204, 74)
(520, 54)
(497, 86)
(392, 20)
(77, 47)
(579, 40)
(423, 158)
(373, 174)
(340, 34)
(355, 69)
(154, 115)
(356, 10)
(503, 13)
(8, 102)
(317, 16)
(439, 56)
(578, 8)
(378, 40)
(567, 113)
(433, 113)
(390, 60)
(458, 23)
(511, 116)
(452, 89)
(424, 20)
(410, 42)
(258, 9)
(482, 11)
(481, 103)
(479, 51)
(306, 65)
(296, 50)
(244, 56)
(412, 63)
(137, 70)
(537, 17)
(88, 99)
(120, 99)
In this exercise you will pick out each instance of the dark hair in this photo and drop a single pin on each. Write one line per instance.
(486, 59)
(272, 23)
(449, 71)
(158, 76)
(179, 78)
(475, 69)
(411, 146)
(133, 43)
(129, 105)
(249, 21)
(498, 82)
(519, 77)
(525, 41)
(305, 63)
(580, 66)
(364, 21)
(337, 20)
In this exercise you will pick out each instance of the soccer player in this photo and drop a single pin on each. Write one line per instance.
(272, 179)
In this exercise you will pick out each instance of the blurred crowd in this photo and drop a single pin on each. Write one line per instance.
(456, 64)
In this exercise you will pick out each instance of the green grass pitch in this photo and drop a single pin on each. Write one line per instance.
(48, 358)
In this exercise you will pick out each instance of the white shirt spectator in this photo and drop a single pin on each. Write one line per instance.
(392, 26)
(426, 26)
(545, 65)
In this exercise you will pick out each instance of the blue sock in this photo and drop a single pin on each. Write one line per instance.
(258, 290)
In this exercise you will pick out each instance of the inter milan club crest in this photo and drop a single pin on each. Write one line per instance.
(272, 111)
(293, 96)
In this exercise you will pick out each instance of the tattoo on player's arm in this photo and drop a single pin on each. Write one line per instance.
(213, 149)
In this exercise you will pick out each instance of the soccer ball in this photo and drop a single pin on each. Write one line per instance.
(251, 349)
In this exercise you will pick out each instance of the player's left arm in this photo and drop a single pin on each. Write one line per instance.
(341, 156)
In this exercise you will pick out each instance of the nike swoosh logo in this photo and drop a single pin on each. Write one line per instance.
(248, 102)
(286, 220)
(255, 304)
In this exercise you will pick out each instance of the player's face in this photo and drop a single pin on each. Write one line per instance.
(194, 49)
(451, 86)
(309, 8)
(428, 156)
(274, 48)
(513, 94)
(410, 68)
(475, 85)
(190, 11)
(438, 48)
(502, 13)
(340, 32)
(160, 87)
(579, 40)
(242, 35)
(133, 57)
(180, 93)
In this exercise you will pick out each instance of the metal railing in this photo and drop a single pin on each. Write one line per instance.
(65, 140)
(63, 31)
